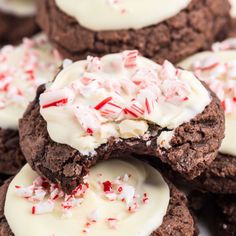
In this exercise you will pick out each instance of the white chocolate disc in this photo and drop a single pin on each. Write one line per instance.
(100, 15)
(143, 222)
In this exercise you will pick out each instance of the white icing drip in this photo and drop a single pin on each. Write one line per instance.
(121, 14)
(22, 69)
(148, 217)
(228, 146)
(143, 93)
(18, 7)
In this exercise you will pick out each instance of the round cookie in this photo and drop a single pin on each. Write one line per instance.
(171, 30)
(22, 69)
(142, 198)
(217, 70)
(17, 20)
(100, 107)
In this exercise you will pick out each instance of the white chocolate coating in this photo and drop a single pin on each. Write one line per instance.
(233, 8)
(228, 79)
(101, 15)
(140, 223)
(18, 7)
(84, 124)
(22, 69)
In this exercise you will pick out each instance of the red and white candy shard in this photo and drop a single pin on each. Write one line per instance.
(46, 194)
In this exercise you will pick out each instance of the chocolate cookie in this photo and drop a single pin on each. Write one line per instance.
(27, 65)
(216, 69)
(176, 221)
(191, 29)
(17, 20)
(188, 147)
(219, 176)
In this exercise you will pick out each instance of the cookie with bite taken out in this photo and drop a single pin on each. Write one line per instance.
(120, 103)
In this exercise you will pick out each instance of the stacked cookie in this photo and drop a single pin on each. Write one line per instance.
(158, 29)
(85, 139)
(217, 70)
(98, 109)
(17, 20)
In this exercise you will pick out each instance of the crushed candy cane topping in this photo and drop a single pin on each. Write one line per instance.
(118, 95)
(116, 194)
(44, 194)
(22, 69)
(220, 77)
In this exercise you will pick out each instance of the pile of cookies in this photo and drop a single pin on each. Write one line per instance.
(117, 117)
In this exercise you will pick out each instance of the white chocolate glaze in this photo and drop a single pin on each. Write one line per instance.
(233, 8)
(118, 96)
(221, 78)
(148, 217)
(18, 7)
(100, 15)
(22, 69)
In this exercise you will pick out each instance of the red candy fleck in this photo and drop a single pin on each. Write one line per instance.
(56, 103)
(102, 103)
(107, 186)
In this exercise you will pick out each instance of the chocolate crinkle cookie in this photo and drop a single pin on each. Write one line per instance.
(17, 20)
(171, 215)
(79, 121)
(219, 64)
(185, 28)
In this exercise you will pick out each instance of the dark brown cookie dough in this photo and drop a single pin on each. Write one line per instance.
(11, 157)
(193, 29)
(14, 28)
(193, 147)
(178, 220)
(219, 176)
